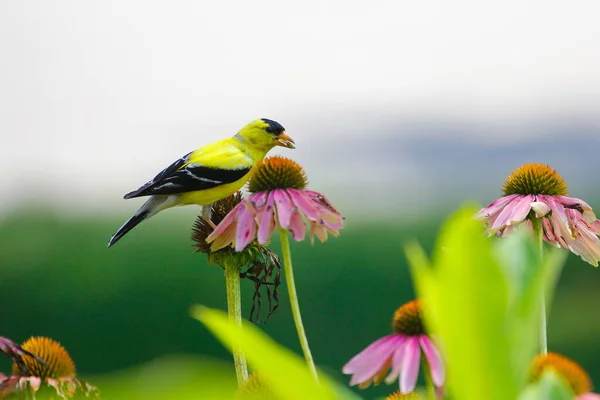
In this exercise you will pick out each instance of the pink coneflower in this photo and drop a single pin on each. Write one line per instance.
(278, 198)
(41, 364)
(400, 352)
(535, 193)
(577, 378)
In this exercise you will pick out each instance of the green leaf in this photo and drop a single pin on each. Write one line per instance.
(549, 387)
(170, 377)
(283, 371)
(529, 275)
(482, 299)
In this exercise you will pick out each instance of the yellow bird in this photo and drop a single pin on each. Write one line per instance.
(208, 174)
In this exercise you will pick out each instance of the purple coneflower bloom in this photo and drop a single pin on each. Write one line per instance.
(400, 352)
(573, 374)
(278, 198)
(536, 191)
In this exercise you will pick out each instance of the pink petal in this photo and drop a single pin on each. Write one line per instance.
(303, 201)
(23, 382)
(226, 222)
(224, 234)
(495, 207)
(559, 220)
(584, 243)
(35, 383)
(245, 230)
(571, 202)
(321, 200)
(327, 214)
(588, 396)
(332, 221)
(366, 364)
(9, 384)
(284, 207)
(368, 352)
(319, 231)
(54, 383)
(297, 226)
(397, 365)
(549, 235)
(540, 208)
(596, 227)
(259, 199)
(436, 365)
(319, 213)
(410, 363)
(266, 220)
(507, 230)
(224, 239)
(514, 212)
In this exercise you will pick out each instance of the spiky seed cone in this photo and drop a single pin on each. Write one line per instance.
(277, 173)
(57, 362)
(399, 396)
(535, 179)
(571, 371)
(407, 319)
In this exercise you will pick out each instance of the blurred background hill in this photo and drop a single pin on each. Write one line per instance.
(401, 111)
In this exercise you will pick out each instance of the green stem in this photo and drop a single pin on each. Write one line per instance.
(289, 278)
(431, 392)
(234, 310)
(543, 327)
(538, 232)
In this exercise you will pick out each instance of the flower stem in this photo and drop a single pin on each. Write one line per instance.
(289, 278)
(431, 390)
(538, 232)
(234, 311)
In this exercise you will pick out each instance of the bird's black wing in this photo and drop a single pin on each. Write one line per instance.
(180, 178)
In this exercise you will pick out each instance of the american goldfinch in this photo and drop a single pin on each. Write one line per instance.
(208, 174)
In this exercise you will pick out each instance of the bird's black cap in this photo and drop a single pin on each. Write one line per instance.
(274, 128)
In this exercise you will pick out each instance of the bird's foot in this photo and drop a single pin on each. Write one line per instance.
(209, 222)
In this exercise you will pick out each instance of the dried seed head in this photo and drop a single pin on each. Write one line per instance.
(218, 211)
(256, 262)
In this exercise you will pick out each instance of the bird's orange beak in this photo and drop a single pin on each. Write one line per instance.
(284, 140)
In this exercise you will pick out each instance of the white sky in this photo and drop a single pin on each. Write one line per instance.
(98, 96)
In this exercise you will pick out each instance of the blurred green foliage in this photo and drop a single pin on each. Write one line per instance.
(550, 387)
(117, 308)
(170, 377)
(284, 374)
(493, 288)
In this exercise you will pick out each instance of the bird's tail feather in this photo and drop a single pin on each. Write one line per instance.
(151, 207)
